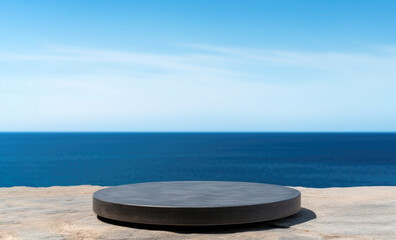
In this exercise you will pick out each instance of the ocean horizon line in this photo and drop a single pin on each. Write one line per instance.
(213, 132)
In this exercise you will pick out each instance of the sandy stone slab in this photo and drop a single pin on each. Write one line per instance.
(328, 213)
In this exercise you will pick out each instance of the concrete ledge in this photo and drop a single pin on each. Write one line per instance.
(329, 213)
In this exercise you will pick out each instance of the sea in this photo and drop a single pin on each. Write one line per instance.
(291, 159)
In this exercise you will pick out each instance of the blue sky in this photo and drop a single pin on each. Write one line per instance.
(197, 65)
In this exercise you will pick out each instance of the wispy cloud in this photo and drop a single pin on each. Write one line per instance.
(200, 88)
(216, 60)
(169, 62)
(321, 59)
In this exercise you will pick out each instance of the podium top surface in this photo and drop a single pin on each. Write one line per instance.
(196, 194)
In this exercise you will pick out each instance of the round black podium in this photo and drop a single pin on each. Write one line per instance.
(196, 203)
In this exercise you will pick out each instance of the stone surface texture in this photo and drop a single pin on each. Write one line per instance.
(196, 203)
(328, 213)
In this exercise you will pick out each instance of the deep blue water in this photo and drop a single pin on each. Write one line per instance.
(294, 159)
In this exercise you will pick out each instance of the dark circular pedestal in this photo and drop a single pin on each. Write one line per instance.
(196, 203)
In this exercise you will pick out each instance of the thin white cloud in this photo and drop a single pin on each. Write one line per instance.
(320, 59)
(203, 88)
(232, 63)
(213, 59)
(188, 62)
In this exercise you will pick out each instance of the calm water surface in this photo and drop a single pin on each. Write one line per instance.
(294, 159)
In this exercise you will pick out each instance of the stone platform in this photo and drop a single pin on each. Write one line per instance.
(196, 203)
(357, 213)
